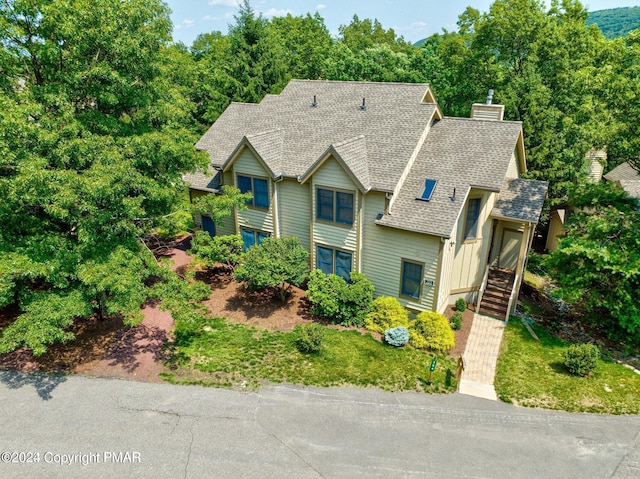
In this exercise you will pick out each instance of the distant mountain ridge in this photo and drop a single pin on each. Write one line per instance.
(613, 22)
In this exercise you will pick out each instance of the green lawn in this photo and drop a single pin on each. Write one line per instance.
(219, 353)
(531, 373)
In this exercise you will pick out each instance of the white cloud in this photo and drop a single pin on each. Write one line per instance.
(210, 18)
(418, 24)
(225, 3)
(186, 23)
(273, 12)
(320, 6)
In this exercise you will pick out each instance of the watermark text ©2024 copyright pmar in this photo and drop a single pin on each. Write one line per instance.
(79, 458)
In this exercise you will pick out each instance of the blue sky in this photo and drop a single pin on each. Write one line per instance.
(413, 19)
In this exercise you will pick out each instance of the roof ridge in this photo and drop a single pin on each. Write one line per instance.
(349, 140)
(301, 80)
(476, 120)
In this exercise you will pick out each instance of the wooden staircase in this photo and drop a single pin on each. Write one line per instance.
(495, 299)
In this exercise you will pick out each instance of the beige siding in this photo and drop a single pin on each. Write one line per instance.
(471, 255)
(383, 250)
(294, 208)
(556, 229)
(514, 170)
(446, 270)
(331, 176)
(254, 218)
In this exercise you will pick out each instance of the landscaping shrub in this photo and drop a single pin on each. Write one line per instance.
(277, 263)
(341, 302)
(217, 249)
(461, 305)
(431, 330)
(387, 313)
(309, 338)
(536, 264)
(456, 321)
(398, 336)
(581, 359)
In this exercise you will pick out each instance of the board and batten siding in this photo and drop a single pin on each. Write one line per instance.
(333, 177)
(254, 218)
(470, 259)
(294, 208)
(446, 270)
(383, 250)
(513, 171)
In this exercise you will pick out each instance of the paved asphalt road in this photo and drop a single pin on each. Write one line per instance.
(137, 430)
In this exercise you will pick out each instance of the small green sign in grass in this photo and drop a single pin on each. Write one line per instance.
(531, 373)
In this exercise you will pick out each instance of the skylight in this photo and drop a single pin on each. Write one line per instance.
(427, 191)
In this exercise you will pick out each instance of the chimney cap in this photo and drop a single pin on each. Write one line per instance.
(490, 97)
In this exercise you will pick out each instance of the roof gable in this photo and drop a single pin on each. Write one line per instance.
(352, 157)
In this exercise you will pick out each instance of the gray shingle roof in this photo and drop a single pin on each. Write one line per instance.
(203, 182)
(623, 172)
(632, 187)
(460, 153)
(394, 119)
(521, 200)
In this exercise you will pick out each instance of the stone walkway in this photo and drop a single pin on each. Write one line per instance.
(481, 356)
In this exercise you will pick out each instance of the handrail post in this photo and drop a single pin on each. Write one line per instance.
(483, 287)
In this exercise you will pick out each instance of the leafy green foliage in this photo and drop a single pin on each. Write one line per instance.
(277, 262)
(398, 336)
(219, 207)
(341, 302)
(461, 305)
(432, 331)
(456, 321)
(309, 337)
(217, 249)
(597, 264)
(93, 147)
(386, 313)
(581, 359)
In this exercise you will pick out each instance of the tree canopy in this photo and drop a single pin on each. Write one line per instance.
(99, 112)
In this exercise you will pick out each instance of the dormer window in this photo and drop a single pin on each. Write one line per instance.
(427, 189)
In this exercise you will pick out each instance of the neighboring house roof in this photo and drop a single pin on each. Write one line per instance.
(392, 123)
(203, 182)
(632, 187)
(460, 154)
(521, 200)
(623, 171)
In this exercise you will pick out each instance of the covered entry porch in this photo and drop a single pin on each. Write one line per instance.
(513, 218)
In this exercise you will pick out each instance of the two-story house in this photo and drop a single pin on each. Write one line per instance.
(371, 177)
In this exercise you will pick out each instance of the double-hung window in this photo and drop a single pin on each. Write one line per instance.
(259, 187)
(411, 286)
(334, 261)
(471, 221)
(252, 237)
(334, 206)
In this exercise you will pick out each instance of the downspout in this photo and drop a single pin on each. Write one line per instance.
(276, 207)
